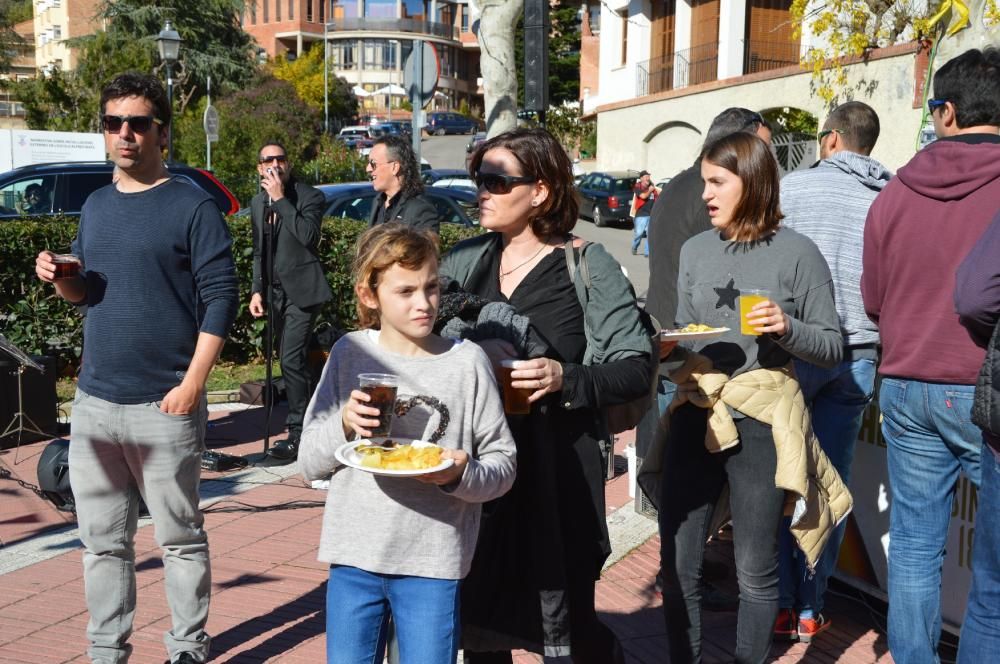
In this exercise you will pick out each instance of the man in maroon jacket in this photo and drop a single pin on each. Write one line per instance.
(918, 231)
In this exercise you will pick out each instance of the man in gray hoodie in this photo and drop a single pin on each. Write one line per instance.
(829, 203)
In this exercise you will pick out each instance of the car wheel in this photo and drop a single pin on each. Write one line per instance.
(440, 132)
(598, 220)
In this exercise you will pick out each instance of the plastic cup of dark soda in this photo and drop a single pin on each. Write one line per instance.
(67, 266)
(382, 390)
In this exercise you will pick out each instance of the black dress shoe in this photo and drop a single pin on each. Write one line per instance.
(285, 450)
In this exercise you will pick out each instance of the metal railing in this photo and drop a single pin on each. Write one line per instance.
(654, 75)
(699, 64)
(443, 30)
(762, 55)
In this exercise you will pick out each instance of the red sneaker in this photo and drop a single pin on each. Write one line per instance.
(809, 628)
(786, 627)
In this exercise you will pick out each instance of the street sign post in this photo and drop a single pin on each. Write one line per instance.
(420, 78)
(211, 124)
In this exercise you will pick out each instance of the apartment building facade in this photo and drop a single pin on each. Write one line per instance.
(667, 67)
(55, 22)
(369, 40)
(22, 66)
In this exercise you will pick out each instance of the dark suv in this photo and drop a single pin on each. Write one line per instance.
(440, 123)
(44, 189)
(606, 196)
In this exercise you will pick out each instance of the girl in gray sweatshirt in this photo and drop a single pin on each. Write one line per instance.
(400, 545)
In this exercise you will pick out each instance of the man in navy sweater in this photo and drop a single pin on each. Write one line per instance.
(159, 288)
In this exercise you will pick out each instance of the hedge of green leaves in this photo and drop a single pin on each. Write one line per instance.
(39, 322)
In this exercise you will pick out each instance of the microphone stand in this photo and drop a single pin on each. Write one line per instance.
(267, 274)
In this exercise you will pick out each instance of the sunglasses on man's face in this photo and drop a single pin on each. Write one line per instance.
(495, 183)
(140, 124)
(279, 158)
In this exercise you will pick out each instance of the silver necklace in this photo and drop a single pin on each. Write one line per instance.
(519, 265)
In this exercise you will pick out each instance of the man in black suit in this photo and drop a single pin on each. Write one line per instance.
(299, 288)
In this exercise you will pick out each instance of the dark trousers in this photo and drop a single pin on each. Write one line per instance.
(293, 327)
(692, 481)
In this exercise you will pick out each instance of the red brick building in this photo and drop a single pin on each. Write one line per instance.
(369, 41)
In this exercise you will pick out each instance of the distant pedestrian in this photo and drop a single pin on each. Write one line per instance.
(919, 229)
(644, 194)
(395, 174)
(399, 546)
(828, 203)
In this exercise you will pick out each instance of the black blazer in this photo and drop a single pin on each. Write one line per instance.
(416, 211)
(297, 267)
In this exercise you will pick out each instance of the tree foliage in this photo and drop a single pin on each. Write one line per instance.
(564, 54)
(11, 13)
(306, 74)
(852, 28)
(268, 110)
(214, 45)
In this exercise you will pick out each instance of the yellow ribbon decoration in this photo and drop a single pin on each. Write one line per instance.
(962, 16)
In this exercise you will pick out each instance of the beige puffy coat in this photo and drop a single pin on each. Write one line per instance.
(816, 497)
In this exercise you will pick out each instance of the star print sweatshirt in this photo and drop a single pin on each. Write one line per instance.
(788, 264)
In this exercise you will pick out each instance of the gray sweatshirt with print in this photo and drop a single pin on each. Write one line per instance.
(788, 264)
(399, 525)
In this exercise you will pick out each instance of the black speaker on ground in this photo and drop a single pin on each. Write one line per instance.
(38, 396)
(53, 475)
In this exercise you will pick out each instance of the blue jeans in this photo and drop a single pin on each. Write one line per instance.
(117, 453)
(837, 399)
(359, 603)
(981, 629)
(639, 226)
(930, 437)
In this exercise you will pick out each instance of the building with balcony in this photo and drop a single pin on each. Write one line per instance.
(369, 41)
(55, 22)
(22, 66)
(665, 68)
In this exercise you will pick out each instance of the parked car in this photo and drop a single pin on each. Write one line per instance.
(65, 186)
(432, 175)
(457, 183)
(440, 123)
(606, 197)
(353, 200)
(474, 142)
(397, 127)
(359, 137)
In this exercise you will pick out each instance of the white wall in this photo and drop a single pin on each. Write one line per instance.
(626, 136)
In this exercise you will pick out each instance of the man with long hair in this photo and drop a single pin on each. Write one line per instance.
(395, 174)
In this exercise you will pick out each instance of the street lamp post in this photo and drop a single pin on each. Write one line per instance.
(169, 43)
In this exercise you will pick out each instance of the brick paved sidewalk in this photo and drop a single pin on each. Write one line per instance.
(268, 588)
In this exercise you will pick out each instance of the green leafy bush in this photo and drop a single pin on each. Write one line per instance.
(39, 322)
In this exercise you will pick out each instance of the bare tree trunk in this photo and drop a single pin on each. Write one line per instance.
(495, 32)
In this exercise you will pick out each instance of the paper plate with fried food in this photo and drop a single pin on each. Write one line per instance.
(692, 332)
(390, 456)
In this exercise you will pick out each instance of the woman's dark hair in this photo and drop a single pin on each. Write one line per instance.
(542, 158)
(971, 81)
(134, 84)
(748, 157)
(401, 151)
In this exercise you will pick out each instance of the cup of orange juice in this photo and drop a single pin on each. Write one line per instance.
(748, 298)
